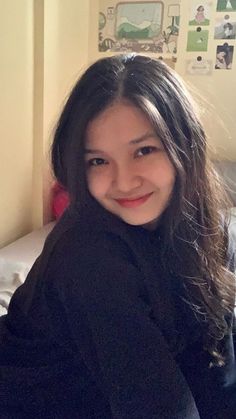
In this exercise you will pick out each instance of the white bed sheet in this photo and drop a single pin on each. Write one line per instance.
(16, 260)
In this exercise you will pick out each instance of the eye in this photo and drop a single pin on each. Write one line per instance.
(96, 162)
(144, 151)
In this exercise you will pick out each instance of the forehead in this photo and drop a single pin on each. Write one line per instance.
(121, 121)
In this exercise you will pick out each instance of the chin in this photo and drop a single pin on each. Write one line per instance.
(149, 223)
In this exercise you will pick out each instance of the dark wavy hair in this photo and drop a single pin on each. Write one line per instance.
(194, 222)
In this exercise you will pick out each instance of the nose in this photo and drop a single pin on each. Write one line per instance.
(126, 179)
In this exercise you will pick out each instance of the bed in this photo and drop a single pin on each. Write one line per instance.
(16, 260)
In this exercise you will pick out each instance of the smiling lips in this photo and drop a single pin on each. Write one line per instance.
(132, 203)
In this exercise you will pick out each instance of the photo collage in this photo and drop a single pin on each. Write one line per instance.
(222, 14)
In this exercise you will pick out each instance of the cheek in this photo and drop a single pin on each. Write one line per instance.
(162, 173)
(97, 184)
(169, 174)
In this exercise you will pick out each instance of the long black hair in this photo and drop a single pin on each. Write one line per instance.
(193, 224)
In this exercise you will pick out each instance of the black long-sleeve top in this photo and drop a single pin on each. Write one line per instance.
(99, 330)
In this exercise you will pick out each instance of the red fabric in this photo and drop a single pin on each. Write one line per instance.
(60, 200)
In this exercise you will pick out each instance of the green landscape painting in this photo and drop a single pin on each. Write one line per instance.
(197, 40)
(139, 20)
(226, 5)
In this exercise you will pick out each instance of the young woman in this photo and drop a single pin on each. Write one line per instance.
(223, 57)
(128, 312)
(200, 16)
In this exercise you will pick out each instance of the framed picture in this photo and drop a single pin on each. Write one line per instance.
(140, 21)
(138, 26)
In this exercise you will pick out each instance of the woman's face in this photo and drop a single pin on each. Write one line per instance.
(128, 170)
(221, 55)
(228, 31)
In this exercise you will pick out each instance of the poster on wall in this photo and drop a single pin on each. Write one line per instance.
(199, 66)
(197, 40)
(139, 26)
(226, 5)
(224, 57)
(225, 27)
(199, 13)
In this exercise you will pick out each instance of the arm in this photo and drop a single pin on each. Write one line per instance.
(119, 342)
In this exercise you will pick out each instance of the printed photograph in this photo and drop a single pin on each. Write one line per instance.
(199, 14)
(199, 66)
(225, 28)
(224, 57)
(197, 40)
(226, 5)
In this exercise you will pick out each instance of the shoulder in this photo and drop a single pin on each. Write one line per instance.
(78, 259)
(77, 236)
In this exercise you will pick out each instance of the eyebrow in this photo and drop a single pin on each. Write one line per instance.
(138, 140)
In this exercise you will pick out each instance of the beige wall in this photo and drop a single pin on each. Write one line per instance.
(215, 93)
(45, 46)
(43, 49)
(16, 107)
(66, 24)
